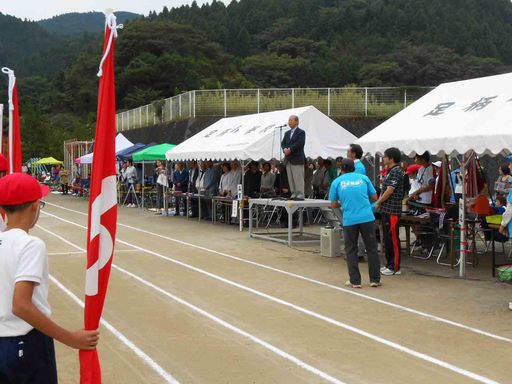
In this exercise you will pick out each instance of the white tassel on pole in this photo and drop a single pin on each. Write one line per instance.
(111, 23)
(12, 82)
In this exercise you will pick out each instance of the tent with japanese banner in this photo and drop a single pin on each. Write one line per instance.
(122, 143)
(258, 136)
(453, 118)
(468, 118)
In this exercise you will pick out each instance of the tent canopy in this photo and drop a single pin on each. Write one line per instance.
(257, 137)
(48, 161)
(127, 153)
(453, 118)
(121, 144)
(153, 153)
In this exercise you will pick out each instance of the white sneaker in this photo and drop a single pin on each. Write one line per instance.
(383, 269)
(510, 305)
(349, 284)
(389, 272)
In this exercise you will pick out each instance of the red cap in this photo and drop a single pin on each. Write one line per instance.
(412, 168)
(3, 163)
(19, 188)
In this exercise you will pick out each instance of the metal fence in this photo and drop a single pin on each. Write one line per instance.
(334, 102)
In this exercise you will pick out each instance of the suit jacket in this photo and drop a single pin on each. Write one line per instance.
(180, 178)
(193, 175)
(211, 181)
(296, 145)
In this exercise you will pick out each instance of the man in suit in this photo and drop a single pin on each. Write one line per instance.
(193, 175)
(293, 148)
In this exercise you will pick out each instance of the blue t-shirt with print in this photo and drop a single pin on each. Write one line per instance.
(360, 168)
(353, 191)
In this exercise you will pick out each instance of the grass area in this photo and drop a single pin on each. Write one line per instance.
(336, 102)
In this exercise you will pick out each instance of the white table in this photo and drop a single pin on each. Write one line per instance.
(291, 206)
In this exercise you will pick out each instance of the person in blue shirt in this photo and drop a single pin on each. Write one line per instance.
(354, 193)
(355, 152)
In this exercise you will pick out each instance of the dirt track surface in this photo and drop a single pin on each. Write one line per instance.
(207, 304)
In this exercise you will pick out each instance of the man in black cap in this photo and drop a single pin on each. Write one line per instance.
(354, 192)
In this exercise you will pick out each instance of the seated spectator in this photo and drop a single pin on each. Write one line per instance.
(332, 172)
(225, 184)
(308, 179)
(281, 185)
(318, 179)
(76, 186)
(180, 178)
(252, 180)
(500, 205)
(503, 185)
(338, 166)
(237, 177)
(426, 181)
(267, 180)
(412, 174)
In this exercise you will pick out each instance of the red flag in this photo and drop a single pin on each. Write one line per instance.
(1, 129)
(102, 204)
(14, 145)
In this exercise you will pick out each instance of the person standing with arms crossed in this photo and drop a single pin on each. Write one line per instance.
(293, 148)
(27, 353)
(390, 205)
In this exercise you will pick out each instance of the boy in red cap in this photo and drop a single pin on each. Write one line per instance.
(27, 353)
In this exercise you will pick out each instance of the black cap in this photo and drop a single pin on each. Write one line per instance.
(347, 165)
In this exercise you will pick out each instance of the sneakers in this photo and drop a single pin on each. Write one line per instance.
(131, 206)
(375, 285)
(389, 272)
(349, 284)
(510, 305)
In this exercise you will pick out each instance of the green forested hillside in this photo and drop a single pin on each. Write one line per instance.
(75, 23)
(251, 43)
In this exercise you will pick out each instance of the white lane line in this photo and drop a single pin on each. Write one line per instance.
(65, 253)
(313, 314)
(317, 282)
(214, 318)
(167, 377)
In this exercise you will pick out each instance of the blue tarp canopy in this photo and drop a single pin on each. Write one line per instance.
(128, 152)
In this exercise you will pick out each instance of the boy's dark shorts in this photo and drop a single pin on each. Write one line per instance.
(28, 359)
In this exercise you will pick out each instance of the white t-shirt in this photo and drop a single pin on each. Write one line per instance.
(22, 258)
(425, 177)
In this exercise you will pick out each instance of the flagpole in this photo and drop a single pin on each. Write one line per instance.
(14, 134)
(102, 216)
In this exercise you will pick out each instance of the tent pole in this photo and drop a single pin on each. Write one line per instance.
(142, 184)
(462, 220)
(241, 202)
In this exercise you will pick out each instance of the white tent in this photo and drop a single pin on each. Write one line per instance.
(257, 137)
(121, 144)
(454, 118)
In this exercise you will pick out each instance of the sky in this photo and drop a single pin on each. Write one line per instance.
(43, 9)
